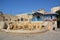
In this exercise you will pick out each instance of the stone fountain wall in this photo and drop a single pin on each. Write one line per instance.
(31, 25)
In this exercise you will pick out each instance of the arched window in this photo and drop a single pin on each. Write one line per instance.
(21, 19)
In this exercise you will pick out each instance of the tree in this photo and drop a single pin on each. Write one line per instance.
(2, 15)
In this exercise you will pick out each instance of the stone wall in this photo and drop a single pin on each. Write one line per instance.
(32, 25)
(1, 24)
(25, 17)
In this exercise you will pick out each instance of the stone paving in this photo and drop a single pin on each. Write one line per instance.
(49, 35)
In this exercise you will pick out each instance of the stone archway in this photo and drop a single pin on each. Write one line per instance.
(58, 18)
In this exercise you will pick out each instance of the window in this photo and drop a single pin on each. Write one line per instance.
(53, 17)
(21, 19)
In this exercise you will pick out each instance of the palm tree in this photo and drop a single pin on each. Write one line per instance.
(58, 19)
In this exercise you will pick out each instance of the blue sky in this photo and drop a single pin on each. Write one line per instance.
(14, 7)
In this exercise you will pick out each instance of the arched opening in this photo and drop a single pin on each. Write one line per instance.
(5, 26)
(21, 19)
(58, 18)
(6, 19)
(18, 20)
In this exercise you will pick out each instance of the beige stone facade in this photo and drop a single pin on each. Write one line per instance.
(54, 9)
(24, 22)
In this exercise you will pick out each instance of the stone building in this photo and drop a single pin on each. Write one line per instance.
(40, 16)
(36, 20)
(55, 9)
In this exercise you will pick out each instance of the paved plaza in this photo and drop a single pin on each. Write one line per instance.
(49, 35)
